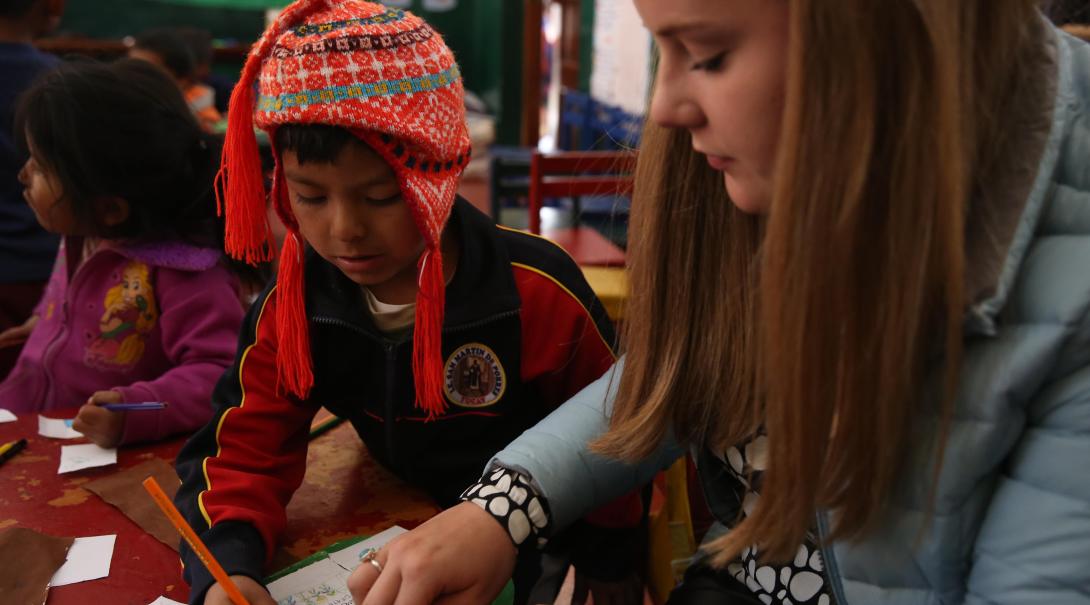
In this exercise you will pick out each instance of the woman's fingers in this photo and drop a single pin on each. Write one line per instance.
(461, 555)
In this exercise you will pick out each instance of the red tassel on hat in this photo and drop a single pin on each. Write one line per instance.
(294, 373)
(247, 236)
(240, 183)
(428, 335)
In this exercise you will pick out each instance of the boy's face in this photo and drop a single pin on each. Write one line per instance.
(352, 213)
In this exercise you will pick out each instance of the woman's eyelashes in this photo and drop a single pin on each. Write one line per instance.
(712, 64)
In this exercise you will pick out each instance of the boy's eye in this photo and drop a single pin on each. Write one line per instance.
(384, 201)
(305, 199)
(712, 64)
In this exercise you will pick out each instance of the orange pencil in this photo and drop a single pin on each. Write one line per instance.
(195, 543)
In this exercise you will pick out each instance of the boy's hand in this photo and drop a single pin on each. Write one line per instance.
(18, 334)
(101, 426)
(255, 593)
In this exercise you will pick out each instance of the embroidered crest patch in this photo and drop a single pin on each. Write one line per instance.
(474, 377)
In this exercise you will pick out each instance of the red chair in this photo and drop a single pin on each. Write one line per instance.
(578, 173)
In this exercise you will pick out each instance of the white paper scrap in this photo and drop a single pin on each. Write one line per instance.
(57, 428)
(88, 559)
(6, 416)
(165, 601)
(88, 455)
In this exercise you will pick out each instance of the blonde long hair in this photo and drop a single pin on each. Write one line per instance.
(820, 321)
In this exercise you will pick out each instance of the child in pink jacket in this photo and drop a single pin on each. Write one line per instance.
(140, 306)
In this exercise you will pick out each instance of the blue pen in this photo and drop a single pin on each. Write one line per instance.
(134, 407)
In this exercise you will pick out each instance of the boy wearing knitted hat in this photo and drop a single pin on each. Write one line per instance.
(398, 306)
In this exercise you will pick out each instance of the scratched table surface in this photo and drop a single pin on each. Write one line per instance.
(345, 494)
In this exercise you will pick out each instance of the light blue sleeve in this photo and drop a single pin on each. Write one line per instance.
(554, 453)
(1034, 545)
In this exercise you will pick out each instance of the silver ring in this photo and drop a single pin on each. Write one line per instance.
(369, 556)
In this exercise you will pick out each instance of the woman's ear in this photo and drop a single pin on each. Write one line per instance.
(112, 210)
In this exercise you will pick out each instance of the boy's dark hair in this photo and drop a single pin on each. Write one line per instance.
(318, 143)
(13, 9)
(171, 48)
(123, 129)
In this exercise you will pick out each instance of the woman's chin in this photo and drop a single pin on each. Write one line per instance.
(748, 197)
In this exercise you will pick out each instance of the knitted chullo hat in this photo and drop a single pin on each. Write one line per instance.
(387, 77)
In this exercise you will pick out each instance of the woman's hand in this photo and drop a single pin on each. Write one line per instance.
(17, 335)
(461, 556)
(101, 426)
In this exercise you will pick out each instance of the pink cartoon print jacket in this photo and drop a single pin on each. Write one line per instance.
(154, 322)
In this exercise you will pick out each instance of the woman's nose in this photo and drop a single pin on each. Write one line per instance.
(671, 107)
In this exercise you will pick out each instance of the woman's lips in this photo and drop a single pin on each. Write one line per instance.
(720, 163)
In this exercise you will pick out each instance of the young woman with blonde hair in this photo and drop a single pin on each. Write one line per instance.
(875, 338)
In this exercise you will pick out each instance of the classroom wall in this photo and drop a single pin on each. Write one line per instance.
(114, 19)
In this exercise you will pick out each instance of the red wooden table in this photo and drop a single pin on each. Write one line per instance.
(345, 493)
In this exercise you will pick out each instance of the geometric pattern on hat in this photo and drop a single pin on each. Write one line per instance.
(385, 75)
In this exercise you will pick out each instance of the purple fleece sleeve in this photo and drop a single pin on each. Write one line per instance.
(200, 315)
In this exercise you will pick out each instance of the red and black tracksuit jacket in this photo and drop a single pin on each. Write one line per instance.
(522, 333)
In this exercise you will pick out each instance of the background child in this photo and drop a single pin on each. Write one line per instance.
(436, 334)
(139, 306)
(212, 85)
(172, 50)
(26, 250)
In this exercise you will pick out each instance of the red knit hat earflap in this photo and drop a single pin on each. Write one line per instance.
(386, 76)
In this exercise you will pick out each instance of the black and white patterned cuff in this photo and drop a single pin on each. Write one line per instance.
(511, 498)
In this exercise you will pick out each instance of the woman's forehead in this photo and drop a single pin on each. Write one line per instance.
(693, 17)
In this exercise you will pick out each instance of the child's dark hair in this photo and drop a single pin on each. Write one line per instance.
(318, 143)
(123, 130)
(171, 47)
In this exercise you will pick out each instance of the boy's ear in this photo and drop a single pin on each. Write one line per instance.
(113, 210)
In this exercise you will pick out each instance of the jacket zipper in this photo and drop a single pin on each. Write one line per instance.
(832, 571)
(391, 370)
(390, 348)
(50, 348)
(62, 333)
